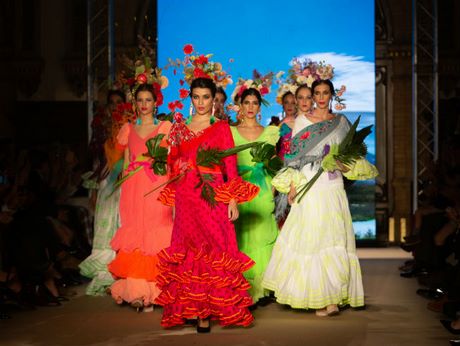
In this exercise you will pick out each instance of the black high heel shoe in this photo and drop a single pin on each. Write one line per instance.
(200, 329)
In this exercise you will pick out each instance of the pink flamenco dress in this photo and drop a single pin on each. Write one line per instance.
(201, 273)
(145, 224)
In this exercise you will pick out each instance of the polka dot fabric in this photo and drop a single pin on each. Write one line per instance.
(201, 272)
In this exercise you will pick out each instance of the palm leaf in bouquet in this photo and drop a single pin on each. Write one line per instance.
(158, 153)
(347, 152)
(208, 157)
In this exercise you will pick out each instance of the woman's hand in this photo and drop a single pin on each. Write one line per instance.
(291, 195)
(233, 212)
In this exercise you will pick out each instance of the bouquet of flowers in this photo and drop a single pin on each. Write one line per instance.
(208, 157)
(350, 150)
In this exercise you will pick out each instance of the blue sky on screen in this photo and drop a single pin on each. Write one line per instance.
(267, 34)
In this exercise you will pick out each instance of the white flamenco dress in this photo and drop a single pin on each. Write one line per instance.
(314, 262)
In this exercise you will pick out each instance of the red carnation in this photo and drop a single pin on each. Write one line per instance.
(142, 78)
(199, 73)
(242, 89)
(264, 90)
(172, 106)
(201, 60)
(179, 105)
(188, 49)
(183, 93)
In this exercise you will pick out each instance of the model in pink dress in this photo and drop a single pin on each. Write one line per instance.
(146, 224)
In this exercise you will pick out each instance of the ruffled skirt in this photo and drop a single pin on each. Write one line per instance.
(314, 262)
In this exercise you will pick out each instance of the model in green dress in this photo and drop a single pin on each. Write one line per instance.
(256, 228)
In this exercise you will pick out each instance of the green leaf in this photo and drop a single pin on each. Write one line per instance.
(208, 194)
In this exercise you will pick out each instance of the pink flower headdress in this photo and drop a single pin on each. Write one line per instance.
(306, 72)
(260, 82)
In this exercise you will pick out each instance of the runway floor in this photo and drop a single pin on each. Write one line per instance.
(394, 315)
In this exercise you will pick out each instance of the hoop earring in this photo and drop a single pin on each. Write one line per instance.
(191, 109)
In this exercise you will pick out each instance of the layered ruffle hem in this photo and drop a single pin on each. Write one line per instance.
(204, 283)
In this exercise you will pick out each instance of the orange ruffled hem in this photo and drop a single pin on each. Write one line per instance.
(134, 265)
(238, 189)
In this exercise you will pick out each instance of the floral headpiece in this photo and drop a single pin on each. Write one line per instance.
(199, 66)
(306, 72)
(143, 72)
(261, 83)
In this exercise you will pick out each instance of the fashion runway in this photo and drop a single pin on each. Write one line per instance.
(394, 315)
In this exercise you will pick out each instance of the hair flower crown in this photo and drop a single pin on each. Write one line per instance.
(306, 71)
(200, 66)
(262, 83)
(143, 71)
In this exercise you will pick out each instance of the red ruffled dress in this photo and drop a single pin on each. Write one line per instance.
(201, 273)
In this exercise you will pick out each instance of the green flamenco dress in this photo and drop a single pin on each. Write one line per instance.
(256, 228)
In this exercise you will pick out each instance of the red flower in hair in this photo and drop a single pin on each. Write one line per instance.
(183, 93)
(172, 106)
(242, 89)
(158, 94)
(142, 78)
(179, 105)
(199, 73)
(201, 60)
(264, 91)
(188, 49)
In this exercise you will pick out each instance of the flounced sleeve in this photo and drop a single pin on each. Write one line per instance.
(361, 169)
(283, 180)
(237, 189)
(122, 137)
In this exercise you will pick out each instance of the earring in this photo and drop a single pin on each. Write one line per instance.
(138, 121)
(213, 108)
(259, 116)
(191, 109)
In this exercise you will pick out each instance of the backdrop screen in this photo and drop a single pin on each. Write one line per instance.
(265, 35)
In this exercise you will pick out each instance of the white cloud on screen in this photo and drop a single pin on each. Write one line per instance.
(358, 76)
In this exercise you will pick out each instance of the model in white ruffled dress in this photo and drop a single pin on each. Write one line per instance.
(314, 263)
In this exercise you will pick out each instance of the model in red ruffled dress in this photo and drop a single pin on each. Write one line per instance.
(201, 273)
